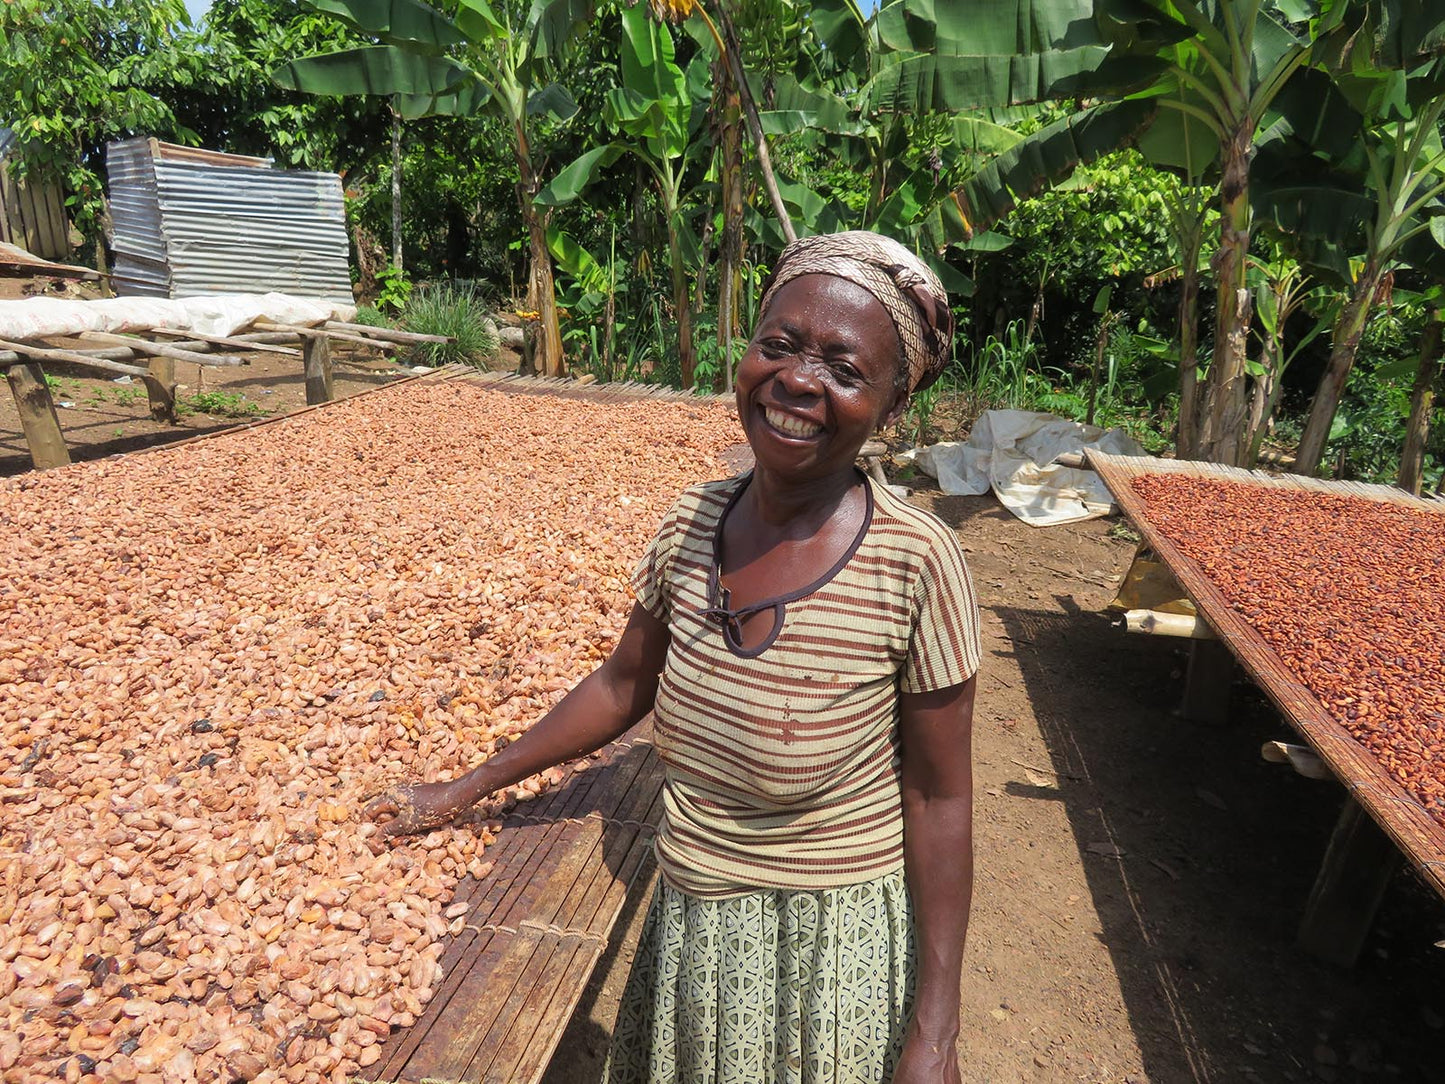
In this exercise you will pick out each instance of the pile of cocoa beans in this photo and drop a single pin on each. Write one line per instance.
(1349, 592)
(212, 655)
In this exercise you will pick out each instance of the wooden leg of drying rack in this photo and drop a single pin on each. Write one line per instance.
(318, 369)
(1352, 880)
(161, 388)
(1207, 682)
(37, 415)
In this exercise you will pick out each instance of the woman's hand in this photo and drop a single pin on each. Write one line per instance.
(420, 807)
(925, 1061)
(602, 706)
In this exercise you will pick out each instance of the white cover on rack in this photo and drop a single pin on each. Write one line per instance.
(1012, 452)
(223, 314)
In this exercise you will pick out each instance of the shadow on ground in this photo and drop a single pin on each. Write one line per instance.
(1199, 858)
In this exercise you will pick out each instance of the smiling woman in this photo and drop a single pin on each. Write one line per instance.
(807, 642)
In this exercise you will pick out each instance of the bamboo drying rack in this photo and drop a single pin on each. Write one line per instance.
(1418, 835)
(562, 869)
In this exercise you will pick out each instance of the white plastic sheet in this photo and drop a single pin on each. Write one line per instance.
(1012, 452)
(223, 314)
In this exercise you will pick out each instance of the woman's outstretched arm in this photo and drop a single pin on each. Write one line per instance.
(936, 729)
(602, 706)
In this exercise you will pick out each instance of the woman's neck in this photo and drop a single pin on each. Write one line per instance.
(784, 503)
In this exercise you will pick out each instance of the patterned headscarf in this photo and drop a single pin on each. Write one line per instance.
(904, 285)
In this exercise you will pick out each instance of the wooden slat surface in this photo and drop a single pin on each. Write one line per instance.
(538, 923)
(1418, 835)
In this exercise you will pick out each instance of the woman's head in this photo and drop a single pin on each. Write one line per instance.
(906, 287)
(849, 324)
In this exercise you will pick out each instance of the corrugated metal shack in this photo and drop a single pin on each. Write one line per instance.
(190, 222)
(32, 215)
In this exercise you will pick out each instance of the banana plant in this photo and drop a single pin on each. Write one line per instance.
(1226, 73)
(1377, 208)
(655, 116)
(1281, 288)
(949, 79)
(495, 58)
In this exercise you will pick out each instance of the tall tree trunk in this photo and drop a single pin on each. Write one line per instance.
(730, 250)
(1191, 237)
(396, 182)
(1221, 435)
(1264, 397)
(1422, 401)
(686, 352)
(1345, 343)
(541, 290)
(733, 56)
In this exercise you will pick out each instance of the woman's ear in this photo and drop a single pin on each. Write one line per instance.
(895, 411)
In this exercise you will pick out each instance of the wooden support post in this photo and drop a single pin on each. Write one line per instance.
(318, 369)
(1207, 682)
(161, 387)
(37, 415)
(1352, 880)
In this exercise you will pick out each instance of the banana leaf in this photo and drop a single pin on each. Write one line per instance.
(426, 84)
(574, 178)
(400, 22)
(1047, 156)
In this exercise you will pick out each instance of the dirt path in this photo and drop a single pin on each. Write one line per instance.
(1139, 877)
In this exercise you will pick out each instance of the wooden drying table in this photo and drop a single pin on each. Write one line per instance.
(539, 921)
(1379, 815)
(23, 364)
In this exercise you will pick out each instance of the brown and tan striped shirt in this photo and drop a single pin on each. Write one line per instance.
(782, 763)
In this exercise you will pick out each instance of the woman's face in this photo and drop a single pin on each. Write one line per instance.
(819, 376)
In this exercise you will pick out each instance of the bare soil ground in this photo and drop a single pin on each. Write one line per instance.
(1139, 877)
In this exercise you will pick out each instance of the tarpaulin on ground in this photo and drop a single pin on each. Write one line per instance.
(1012, 452)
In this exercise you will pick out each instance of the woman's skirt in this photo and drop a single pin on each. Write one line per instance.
(774, 987)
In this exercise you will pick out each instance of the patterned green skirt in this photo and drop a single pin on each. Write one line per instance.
(775, 987)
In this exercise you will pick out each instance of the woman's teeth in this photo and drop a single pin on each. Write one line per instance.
(786, 423)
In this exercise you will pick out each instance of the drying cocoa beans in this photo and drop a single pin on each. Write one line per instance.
(211, 655)
(1349, 593)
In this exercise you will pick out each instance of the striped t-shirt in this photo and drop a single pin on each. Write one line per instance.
(782, 765)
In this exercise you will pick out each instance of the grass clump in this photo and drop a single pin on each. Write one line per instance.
(455, 310)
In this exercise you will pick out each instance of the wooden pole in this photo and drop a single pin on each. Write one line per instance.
(123, 353)
(389, 334)
(1165, 624)
(1207, 683)
(45, 353)
(1352, 880)
(161, 388)
(312, 332)
(318, 370)
(37, 415)
(162, 350)
(227, 340)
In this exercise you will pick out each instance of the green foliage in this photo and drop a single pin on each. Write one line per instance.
(127, 396)
(236, 106)
(1368, 431)
(394, 289)
(455, 310)
(371, 316)
(75, 74)
(219, 404)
